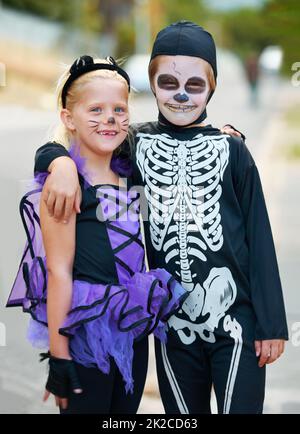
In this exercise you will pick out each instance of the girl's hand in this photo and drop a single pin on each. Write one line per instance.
(62, 380)
(268, 350)
(61, 191)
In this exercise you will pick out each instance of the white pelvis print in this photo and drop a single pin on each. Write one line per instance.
(205, 306)
(183, 188)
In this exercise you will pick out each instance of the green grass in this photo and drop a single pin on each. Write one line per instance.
(293, 117)
(293, 151)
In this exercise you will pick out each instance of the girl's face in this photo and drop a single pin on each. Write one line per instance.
(181, 88)
(99, 119)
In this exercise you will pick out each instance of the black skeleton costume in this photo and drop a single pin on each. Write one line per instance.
(206, 223)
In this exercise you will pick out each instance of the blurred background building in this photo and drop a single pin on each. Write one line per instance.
(35, 34)
(258, 91)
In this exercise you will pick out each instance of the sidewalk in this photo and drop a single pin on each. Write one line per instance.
(281, 181)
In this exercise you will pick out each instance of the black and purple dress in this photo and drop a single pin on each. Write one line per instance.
(115, 301)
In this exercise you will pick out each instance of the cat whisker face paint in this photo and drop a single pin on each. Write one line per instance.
(181, 88)
(93, 125)
(100, 117)
(124, 125)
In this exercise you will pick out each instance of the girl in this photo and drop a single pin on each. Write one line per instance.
(208, 226)
(91, 301)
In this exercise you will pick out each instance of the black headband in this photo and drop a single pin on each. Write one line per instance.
(85, 64)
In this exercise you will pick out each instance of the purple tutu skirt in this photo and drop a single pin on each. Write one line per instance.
(105, 320)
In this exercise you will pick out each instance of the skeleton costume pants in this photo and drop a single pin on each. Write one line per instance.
(187, 374)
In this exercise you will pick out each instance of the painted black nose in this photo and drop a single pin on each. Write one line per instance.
(181, 97)
(111, 120)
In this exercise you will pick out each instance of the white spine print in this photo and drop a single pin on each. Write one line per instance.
(183, 188)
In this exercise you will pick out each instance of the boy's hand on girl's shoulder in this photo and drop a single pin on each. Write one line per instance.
(62, 192)
(268, 350)
(229, 129)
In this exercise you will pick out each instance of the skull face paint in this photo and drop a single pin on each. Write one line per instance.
(181, 88)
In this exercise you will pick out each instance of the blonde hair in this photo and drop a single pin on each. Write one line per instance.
(153, 67)
(61, 134)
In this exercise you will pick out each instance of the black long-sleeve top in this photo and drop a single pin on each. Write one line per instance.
(206, 222)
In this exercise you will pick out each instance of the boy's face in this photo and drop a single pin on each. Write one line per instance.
(181, 88)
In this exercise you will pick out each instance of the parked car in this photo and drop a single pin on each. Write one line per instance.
(137, 69)
(270, 59)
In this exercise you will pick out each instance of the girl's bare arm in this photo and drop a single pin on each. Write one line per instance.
(59, 243)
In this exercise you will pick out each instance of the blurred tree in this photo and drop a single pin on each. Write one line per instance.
(113, 18)
(117, 21)
(113, 11)
(165, 12)
(84, 14)
(245, 31)
(283, 21)
(250, 30)
(89, 15)
(59, 10)
(126, 39)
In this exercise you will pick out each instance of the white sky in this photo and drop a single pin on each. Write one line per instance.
(231, 4)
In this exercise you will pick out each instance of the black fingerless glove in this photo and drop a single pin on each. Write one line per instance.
(62, 377)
